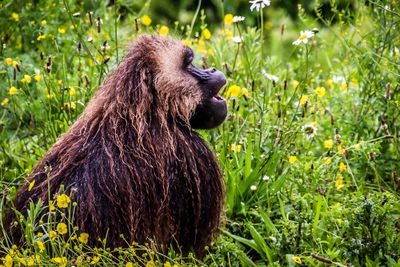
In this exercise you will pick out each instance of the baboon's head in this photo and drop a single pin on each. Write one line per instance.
(183, 90)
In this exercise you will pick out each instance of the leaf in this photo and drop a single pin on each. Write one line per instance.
(269, 225)
(260, 242)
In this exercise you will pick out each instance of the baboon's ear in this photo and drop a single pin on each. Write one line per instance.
(136, 82)
(145, 79)
(143, 90)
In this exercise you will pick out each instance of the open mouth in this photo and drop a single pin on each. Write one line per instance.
(210, 113)
(217, 99)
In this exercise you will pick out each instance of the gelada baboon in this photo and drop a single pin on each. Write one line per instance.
(132, 161)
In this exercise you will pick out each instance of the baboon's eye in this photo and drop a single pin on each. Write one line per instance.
(189, 56)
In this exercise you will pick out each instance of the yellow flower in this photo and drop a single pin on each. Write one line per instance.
(228, 19)
(40, 245)
(8, 261)
(292, 159)
(52, 234)
(163, 31)
(342, 167)
(327, 160)
(31, 185)
(83, 238)
(236, 148)
(328, 144)
(146, 20)
(43, 22)
(70, 106)
(233, 91)
(38, 77)
(150, 264)
(295, 84)
(320, 91)
(72, 91)
(329, 83)
(61, 261)
(51, 206)
(268, 25)
(20, 260)
(61, 30)
(129, 264)
(50, 95)
(79, 261)
(228, 33)
(187, 42)
(12, 90)
(31, 261)
(62, 228)
(343, 87)
(206, 34)
(14, 63)
(341, 149)
(41, 37)
(297, 260)
(26, 79)
(5, 101)
(95, 259)
(63, 200)
(167, 264)
(15, 16)
(339, 221)
(9, 61)
(354, 82)
(339, 182)
(303, 99)
(201, 48)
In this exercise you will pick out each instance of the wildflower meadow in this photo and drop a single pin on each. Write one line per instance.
(310, 150)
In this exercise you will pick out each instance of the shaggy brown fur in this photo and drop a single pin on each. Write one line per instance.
(132, 162)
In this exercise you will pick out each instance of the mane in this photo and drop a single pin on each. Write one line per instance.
(132, 162)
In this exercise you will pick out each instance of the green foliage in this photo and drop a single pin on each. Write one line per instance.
(310, 150)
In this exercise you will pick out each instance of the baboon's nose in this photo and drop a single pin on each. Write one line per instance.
(216, 81)
(219, 78)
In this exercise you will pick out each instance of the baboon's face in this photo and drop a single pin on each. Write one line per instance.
(193, 90)
(212, 110)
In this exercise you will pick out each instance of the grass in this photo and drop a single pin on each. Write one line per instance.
(310, 150)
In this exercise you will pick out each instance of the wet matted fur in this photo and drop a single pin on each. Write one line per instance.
(132, 162)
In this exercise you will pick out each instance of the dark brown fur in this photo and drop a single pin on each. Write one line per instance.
(132, 162)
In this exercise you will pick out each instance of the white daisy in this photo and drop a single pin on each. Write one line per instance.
(309, 130)
(257, 4)
(253, 188)
(271, 77)
(238, 19)
(237, 39)
(338, 79)
(105, 46)
(303, 38)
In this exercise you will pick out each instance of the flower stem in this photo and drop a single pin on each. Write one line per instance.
(262, 31)
(194, 18)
